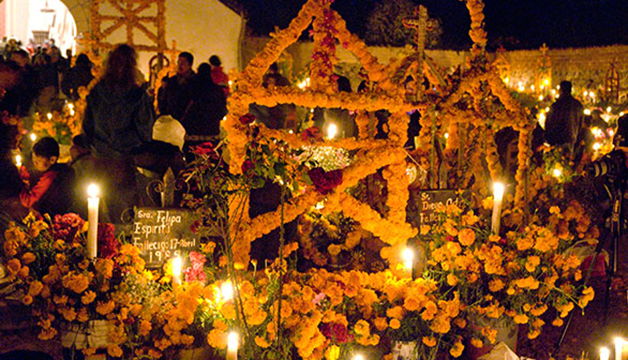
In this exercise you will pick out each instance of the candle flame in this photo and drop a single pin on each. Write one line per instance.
(232, 340)
(93, 190)
(33, 137)
(18, 160)
(332, 130)
(605, 353)
(226, 291)
(177, 265)
(498, 191)
(358, 357)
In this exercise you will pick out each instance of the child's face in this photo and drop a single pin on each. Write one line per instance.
(42, 163)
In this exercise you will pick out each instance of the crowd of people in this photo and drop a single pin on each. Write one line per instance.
(126, 142)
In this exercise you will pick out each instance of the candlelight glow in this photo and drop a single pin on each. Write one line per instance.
(498, 191)
(587, 111)
(358, 357)
(226, 291)
(18, 160)
(49, 116)
(597, 146)
(608, 109)
(232, 340)
(33, 137)
(332, 131)
(177, 266)
(605, 353)
(408, 257)
(557, 172)
(93, 190)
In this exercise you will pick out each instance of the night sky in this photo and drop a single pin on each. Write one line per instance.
(515, 24)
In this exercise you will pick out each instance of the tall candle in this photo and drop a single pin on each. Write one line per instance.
(92, 218)
(176, 270)
(619, 344)
(498, 194)
(232, 346)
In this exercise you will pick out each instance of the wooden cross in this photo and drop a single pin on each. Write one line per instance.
(421, 25)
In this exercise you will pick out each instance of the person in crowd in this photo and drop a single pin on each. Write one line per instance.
(208, 106)
(564, 121)
(79, 75)
(11, 208)
(176, 91)
(52, 194)
(118, 122)
(274, 76)
(281, 116)
(58, 63)
(219, 76)
(20, 97)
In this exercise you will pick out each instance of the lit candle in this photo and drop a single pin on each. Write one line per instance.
(49, 116)
(33, 137)
(232, 346)
(176, 270)
(605, 353)
(92, 218)
(18, 161)
(408, 259)
(226, 290)
(332, 130)
(358, 357)
(498, 194)
(619, 344)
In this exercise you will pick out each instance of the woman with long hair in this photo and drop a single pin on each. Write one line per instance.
(118, 122)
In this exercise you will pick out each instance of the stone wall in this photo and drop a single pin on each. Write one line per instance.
(586, 68)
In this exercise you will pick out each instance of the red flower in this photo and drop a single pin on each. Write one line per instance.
(107, 242)
(312, 133)
(247, 119)
(66, 226)
(337, 332)
(247, 165)
(325, 181)
(206, 148)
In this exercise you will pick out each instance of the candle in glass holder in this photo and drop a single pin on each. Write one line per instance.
(232, 346)
(498, 194)
(92, 218)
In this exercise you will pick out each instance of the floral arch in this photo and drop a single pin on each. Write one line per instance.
(480, 82)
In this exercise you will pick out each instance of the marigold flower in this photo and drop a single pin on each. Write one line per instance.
(429, 341)
(104, 308)
(35, 288)
(114, 351)
(477, 342)
(521, 319)
(27, 300)
(466, 237)
(394, 324)
(457, 349)
(28, 258)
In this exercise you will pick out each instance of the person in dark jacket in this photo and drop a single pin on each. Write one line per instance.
(176, 92)
(79, 75)
(52, 194)
(118, 122)
(564, 120)
(207, 107)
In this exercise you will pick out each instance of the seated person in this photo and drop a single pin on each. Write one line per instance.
(53, 192)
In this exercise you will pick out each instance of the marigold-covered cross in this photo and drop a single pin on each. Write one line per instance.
(421, 25)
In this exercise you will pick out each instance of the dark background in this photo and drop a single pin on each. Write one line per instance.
(515, 24)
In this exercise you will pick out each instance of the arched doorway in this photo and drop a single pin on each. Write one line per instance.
(37, 22)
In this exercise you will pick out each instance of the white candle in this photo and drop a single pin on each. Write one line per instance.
(18, 161)
(232, 346)
(176, 270)
(619, 344)
(605, 353)
(92, 218)
(332, 130)
(498, 194)
(408, 259)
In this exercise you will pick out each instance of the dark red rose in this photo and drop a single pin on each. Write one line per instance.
(66, 226)
(247, 119)
(325, 181)
(247, 165)
(206, 148)
(107, 242)
(312, 133)
(336, 332)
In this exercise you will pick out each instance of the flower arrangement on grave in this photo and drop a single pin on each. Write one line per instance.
(62, 126)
